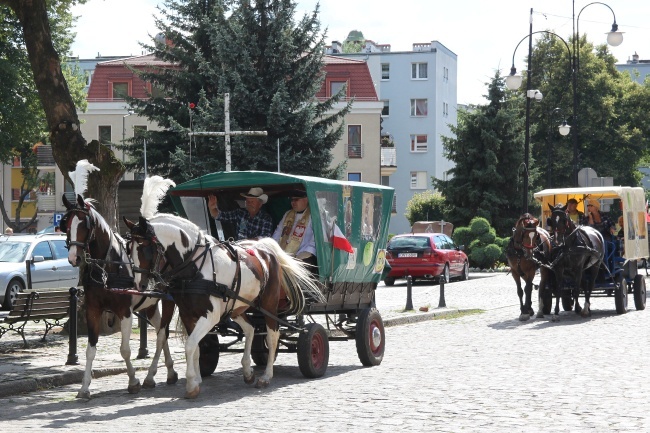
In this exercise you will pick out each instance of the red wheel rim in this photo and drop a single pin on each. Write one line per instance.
(317, 350)
(375, 337)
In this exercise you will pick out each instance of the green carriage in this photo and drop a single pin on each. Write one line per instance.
(359, 212)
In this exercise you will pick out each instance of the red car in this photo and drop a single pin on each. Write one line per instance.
(425, 256)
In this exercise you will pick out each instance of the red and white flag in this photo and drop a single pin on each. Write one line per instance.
(339, 240)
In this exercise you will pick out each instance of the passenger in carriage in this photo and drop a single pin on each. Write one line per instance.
(572, 211)
(295, 234)
(253, 222)
(600, 221)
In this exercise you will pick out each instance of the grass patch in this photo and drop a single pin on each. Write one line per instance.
(458, 314)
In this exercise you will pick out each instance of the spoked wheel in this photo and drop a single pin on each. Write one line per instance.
(260, 351)
(370, 337)
(567, 302)
(639, 292)
(208, 354)
(620, 294)
(313, 351)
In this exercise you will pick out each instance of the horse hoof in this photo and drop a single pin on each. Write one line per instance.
(578, 310)
(524, 317)
(193, 394)
(134, 389)
(172, 380)
(261, 383)
(555, 318)
(84, 394)
(585, 313)
(149, 383)
(540, 315)
(531, 312)
(249, 379)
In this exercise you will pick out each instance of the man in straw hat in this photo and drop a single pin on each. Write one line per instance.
(252, 222)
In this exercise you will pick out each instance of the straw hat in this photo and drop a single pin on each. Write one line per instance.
(593, 202)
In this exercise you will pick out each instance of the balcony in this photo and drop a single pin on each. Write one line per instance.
(46, 202)
(44, 156)
(355, 150)
(388, 161)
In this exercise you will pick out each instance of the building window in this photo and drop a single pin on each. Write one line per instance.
(419, 107)
(354, 141)
(336, 87)
(385, 180)
(418, 180)
(419, 143)
(419, 71)
(158, 92)
(385, 71)
(139, 130)
(104, 133)
(386, 110)
(120, 90)
(354, 177)
(445, 109)
(445, 74)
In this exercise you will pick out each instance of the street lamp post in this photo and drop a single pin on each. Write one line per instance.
(513, 82)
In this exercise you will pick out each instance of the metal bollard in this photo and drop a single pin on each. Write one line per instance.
(409, 293)
(441, 303)
(142, 322)
(73, 359)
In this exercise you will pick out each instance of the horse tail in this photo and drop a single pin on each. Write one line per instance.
(296, 279)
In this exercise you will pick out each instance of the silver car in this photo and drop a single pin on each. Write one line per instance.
(49, 267)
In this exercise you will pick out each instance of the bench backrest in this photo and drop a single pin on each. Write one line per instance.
(35, 305)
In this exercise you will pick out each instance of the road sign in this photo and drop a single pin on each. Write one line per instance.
(56, 219)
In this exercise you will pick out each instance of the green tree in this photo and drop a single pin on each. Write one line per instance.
(487, 151)
(426, 206)
(482, 246)
(612, 125)
(269, 64)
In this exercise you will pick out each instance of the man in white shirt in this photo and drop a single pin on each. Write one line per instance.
(295, 234)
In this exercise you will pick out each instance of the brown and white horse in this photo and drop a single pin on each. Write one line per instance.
(210, 281)
(107, 273)
(529, 245)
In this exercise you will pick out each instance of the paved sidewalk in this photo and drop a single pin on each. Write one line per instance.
(41, 365)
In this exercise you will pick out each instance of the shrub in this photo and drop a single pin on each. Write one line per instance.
(483, 247)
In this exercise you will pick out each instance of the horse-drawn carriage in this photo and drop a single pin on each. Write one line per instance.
(618, 272)
(358, 211)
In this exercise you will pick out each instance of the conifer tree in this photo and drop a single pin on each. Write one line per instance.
(487, 151)
(272, 68)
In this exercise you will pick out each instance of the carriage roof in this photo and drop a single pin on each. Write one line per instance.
(633, 207)
(360, 210)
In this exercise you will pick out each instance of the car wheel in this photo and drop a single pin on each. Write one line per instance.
(465, 275)
(15, 286)
(445, 273)
(389, 281)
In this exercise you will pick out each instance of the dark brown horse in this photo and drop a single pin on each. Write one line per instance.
(529, 245)
(109, 286)
(578, 249)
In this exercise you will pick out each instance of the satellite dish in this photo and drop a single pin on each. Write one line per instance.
(585, 175)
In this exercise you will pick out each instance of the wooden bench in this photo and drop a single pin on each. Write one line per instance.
(50, 306)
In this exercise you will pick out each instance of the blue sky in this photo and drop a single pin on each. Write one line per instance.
(482, 33)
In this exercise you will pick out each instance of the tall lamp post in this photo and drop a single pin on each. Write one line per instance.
(564, 130)
(513, 82)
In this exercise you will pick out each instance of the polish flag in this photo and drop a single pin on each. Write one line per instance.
(339, 240)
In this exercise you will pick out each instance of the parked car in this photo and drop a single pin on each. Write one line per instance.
(425, 256)
(49, 269)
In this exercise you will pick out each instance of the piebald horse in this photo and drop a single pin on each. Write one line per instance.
(107, 272)
(210, 281)
(579, 248)
(529, 246)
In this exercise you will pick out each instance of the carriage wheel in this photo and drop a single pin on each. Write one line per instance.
(260, 351)
(313, 351)
(370, 337)
(208, 354)
(620, 294)
(567, 302)
(639, 292)
(389, 281)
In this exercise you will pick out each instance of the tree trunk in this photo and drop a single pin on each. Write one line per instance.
(68, 145)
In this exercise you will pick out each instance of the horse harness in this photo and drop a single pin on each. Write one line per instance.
(97, 267)
(179, 284)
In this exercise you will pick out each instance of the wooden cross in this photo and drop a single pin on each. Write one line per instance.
(227, 133)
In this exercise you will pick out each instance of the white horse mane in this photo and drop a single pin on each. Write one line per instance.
(168, 226)
(154, 191)
(79, 177)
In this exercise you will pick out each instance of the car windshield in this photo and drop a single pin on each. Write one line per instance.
(14, 252)
(409, 242)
